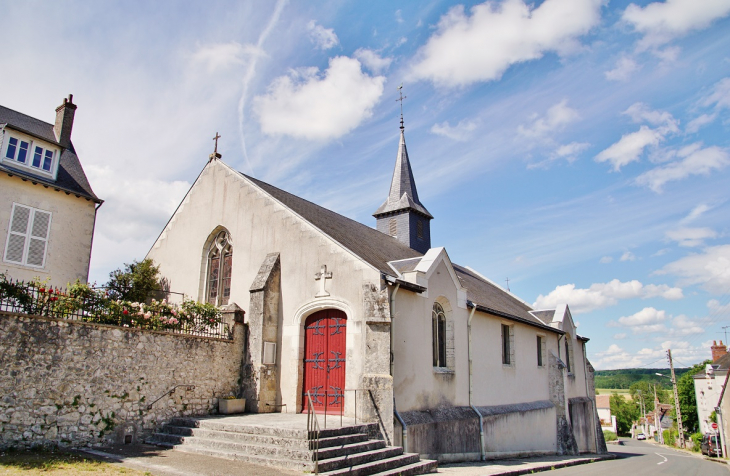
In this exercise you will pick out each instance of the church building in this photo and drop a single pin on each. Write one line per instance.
(378, 322)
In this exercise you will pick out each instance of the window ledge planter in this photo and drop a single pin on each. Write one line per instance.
(229, 406)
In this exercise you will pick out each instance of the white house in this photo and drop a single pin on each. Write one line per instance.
(380, 322)
(47, 207)
(709, 385)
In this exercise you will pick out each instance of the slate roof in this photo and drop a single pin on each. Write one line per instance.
(378, 249)
(70, 178)
(403, 194)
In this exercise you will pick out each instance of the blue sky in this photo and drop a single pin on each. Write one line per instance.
(579, 148)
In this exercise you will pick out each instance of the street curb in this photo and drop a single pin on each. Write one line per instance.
(556, 465)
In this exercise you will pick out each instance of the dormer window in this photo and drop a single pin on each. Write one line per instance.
(30, 153)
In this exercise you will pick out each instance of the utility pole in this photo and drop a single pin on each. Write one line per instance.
(657, 421)
(676, 401)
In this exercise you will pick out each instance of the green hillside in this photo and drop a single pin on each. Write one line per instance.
(624, 378)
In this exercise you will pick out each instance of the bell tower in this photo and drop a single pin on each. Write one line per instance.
(402, 215)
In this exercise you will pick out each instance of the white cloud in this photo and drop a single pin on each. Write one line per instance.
(555, 119)
(628, 256)
(695, 124)
(716, 308)
(323, 38)
(623, 70)
(631, 146)
(710, 269)
(640, 112)
(720, 97)
(691, 237)
(696, 212)
(371, 60)
(605, 260)
(221, 56)
(601, 295)
(646, 316)
(310, 105)
(660, 22)
(480, 47)
(620, 336)
(460, 132)
(399, 16)
(692, 160)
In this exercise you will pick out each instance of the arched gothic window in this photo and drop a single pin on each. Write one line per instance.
(438, 324)
(220, 264)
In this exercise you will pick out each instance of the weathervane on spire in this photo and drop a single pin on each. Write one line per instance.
(215, 154)
(400, 99)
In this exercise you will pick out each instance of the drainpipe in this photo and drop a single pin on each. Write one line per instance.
(471, 387)
(404, 428)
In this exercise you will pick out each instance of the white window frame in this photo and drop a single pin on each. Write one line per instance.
(27, 236)
(7, 135)
(510, 327)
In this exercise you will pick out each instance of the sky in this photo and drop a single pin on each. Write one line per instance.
(577, 148)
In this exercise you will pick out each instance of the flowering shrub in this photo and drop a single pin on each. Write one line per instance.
(83, 302)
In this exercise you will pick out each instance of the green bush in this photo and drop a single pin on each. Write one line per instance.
(696, 441)
(670, 436)
(609, 435)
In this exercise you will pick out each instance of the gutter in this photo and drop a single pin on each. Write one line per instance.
(482, 451)
(510, 317)
(404, 428)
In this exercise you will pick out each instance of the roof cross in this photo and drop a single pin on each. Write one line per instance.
(400, 99)
(215, 154)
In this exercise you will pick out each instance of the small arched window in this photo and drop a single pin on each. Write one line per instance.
(438, 323)
(220, 265)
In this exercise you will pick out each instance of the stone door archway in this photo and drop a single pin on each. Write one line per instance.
(325, 352)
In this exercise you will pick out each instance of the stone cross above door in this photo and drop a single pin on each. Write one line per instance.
(322, 277)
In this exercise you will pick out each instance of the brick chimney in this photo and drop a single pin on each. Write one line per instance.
(718, 350)
(65, 121)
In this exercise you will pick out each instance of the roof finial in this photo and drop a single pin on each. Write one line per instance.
(215, 154)
(400, 99)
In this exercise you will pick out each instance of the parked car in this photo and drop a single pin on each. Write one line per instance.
(640, 436)
(711, 445)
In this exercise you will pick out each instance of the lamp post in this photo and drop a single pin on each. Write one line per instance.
(680, 430)
(642, 409)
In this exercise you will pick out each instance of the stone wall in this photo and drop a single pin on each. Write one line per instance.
(451, 434)
(69, 383)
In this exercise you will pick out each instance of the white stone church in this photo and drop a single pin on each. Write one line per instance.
(377, 322)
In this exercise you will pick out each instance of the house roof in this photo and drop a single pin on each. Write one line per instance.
(379, 249)
(70, 177)
(403, 194)
(603, 401)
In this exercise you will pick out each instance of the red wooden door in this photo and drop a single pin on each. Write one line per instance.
(324, 360)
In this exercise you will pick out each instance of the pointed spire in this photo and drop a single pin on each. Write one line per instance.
(403, 194)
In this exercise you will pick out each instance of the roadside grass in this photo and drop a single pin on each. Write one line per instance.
(57, 463)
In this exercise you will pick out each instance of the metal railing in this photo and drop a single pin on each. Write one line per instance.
(327, 395)
(170, 392)
(93, 305)
(313, 431)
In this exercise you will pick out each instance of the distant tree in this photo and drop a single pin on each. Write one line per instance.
(646, 390)
(687, 399)
(137, 282)
(626, 412)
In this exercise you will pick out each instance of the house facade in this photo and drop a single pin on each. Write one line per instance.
(47, 206)
(378, 323)
(709, 386)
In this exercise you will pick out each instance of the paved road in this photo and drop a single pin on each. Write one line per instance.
(647, 459)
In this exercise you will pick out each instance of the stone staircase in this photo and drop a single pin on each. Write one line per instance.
(349, 450)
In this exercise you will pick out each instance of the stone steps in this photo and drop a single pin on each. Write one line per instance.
(342, 451)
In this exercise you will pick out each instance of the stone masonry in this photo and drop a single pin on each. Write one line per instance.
(261, 379)
(68, 383)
